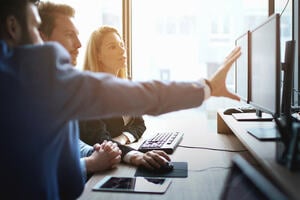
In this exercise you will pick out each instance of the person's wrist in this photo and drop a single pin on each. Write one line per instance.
(135, 157)
(88, 165)
(129, 136)
(126, 139)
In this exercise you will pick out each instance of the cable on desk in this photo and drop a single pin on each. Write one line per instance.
(205, 169)
(212, 149)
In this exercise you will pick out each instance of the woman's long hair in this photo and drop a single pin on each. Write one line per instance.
(91, 61)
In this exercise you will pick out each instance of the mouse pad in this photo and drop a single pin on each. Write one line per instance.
(180, 170)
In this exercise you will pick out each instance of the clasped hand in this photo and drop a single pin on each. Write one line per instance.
(105, 156)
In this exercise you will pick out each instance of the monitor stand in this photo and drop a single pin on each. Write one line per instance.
(253, 116)
(261, 132)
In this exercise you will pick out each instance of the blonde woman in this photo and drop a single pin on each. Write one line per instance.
(106, 53)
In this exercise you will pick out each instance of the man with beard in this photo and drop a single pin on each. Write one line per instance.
(49, 157)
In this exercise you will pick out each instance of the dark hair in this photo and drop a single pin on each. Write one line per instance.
(15, 8)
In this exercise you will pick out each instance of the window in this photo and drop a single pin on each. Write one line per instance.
(185, 40)
(285, 23)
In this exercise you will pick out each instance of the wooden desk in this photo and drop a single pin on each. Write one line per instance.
(207, 169)
(263, 152)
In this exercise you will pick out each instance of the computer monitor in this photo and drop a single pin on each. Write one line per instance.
(241, 67)
(265, 67)
(241, 78)
(264, 78)
(263, 71)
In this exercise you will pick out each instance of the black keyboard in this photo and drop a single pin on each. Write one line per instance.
(165, 141)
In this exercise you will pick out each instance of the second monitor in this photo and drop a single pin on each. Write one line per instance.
(242, 67)
(263, 91)
(265, 66)
(264, 77)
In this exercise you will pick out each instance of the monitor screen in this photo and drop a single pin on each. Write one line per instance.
(265, 66)
(241, 67)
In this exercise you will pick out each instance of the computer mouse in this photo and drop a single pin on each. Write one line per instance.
(230, 111)
(168, 167)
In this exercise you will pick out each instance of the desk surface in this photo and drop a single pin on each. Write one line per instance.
(207, 169)
(263, 152)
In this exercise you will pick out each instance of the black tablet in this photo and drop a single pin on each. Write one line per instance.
(133, 184)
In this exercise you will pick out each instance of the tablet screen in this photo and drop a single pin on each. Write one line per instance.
(133, 184)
